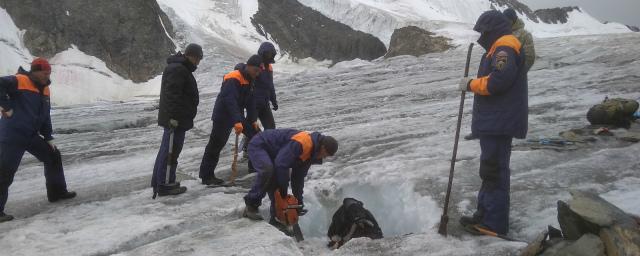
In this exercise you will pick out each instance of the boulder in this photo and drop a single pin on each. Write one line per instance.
(415, 41)
(587, 245)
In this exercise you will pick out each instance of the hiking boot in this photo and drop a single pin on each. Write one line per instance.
(469, 220)
(252, 213)
(57, 193)
(470, 136)
(171, 190)
(212, 181)
(5, 217)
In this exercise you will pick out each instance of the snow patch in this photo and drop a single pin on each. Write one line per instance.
(79, 78)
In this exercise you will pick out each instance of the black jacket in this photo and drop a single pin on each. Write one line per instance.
(179, 96)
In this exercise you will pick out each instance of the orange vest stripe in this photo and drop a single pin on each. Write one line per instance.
(238, 76)
(480, 86)
(25, 84)
(304, 138)
(508, 41)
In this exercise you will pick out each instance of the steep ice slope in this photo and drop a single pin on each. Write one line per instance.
(382, 17)
(395, 120)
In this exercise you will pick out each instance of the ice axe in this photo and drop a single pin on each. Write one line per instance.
(445, 218)
(170, 161)
(234, 165)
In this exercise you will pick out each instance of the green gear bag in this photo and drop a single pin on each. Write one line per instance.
(617, 112)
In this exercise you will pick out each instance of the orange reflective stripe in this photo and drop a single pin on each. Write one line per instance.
(304, 138)
(25, 84)
(508, 41)
(238, 76)
(480, 86)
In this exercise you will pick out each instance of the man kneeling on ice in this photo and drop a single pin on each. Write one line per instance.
(273, 153)
(352, 220)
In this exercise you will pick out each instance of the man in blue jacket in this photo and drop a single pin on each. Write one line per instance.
(265, 90)
(236, 96)
(273, 153)
(264, 93)
(500, 112)
(26, 126)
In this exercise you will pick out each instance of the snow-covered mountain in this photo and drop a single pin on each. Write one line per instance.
(229, 34)
(453, 19)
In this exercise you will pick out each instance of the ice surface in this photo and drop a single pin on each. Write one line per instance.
(395, 120)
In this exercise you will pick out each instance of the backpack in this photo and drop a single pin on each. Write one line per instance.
(617, 112)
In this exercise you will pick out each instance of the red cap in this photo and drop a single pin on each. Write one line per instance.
(40, 64)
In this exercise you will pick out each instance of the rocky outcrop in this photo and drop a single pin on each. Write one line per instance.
(128, 36)
(550, 16)
(633, 28)
(303, 32)
(590, 226)
(415, 41)
(555, 15)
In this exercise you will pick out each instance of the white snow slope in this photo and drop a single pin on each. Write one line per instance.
(453, 19)
(395, 120)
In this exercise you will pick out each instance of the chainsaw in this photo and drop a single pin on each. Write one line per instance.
(287, 215)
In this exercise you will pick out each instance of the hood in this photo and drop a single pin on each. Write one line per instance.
(180, 58)
(492, 25)
(265, 48)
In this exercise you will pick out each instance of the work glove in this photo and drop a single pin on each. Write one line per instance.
(464, 84)
(173, 123)
(238, 128)
(275, 106)
(302, 211)
(256, 126)
(52, 145)
(6, 113)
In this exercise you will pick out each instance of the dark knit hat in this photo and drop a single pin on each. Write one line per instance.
(193, 50)
(255, 61)
(511, 14)
(40, 64)
(330, 144)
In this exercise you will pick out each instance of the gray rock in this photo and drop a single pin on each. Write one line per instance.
(415, 41)
(587, 245)
(573, 225)
(303, 32)
(592, 208)
(126, 34)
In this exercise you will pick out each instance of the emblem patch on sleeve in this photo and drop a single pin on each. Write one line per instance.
(502, 58)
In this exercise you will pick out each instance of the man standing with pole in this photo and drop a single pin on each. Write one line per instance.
(179, 99)
(500, 113)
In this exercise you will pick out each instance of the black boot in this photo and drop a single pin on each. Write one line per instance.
(57, 193)
(212, 181)
(171, 189)
(470, 136)
(251, 212)
(5, 217)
